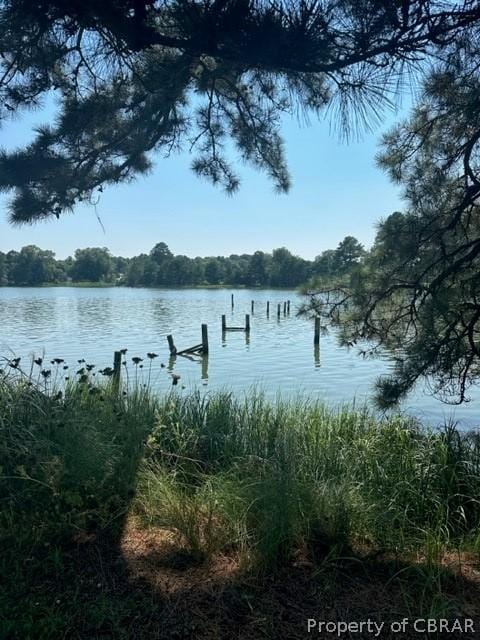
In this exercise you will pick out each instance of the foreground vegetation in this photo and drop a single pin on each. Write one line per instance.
(128, 515)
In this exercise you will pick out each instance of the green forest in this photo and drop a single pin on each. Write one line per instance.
(32, 266)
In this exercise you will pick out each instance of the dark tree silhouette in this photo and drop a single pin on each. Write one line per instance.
(418, 291)
(124, 73)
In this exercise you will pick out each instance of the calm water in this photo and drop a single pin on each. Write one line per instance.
(278, 356)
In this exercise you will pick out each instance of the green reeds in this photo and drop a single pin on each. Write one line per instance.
(265, 483)
(307, 475)
(68, 460)
(263, 478)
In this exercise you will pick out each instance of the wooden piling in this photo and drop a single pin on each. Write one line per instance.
(253, 305)
(288, 307)
(268, 307)
(247, 323)
(316, 338)
(171, 345)
(316, 355)
(204, 338)
(117, 363)
(284, 308)
(224, 323)
(232, 301)
(205, 366)
(278, 310)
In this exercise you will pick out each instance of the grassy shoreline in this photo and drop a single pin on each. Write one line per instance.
(203, 517)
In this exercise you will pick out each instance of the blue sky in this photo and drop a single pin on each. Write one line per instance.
(336, 191)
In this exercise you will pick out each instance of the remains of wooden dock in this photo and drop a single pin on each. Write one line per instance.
(201, 348)
(245, 328)
(117, 362)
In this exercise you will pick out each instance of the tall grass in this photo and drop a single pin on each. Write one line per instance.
(291, 474)
(265, 482)
(68, 460)
(258, 478)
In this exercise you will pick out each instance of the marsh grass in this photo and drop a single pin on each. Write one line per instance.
(289, 474)
(69, 460)
(264, 481)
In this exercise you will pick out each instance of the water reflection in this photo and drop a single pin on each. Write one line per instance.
(94, 323)
(34, 316)
(316, 355)
(234, 331)
(205, 367)
(37, 312)
(93, 312)
(161, 311)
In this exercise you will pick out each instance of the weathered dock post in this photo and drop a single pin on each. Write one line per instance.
(224, 323)
(268, 308)
(232, 301)
(253, 306)
(117, 363)
(316, 355)
(247, 323)
(278, 310)
(171, 345)
(205, 367)
(316, 337)
(284, 308)
(204, 338)
(288, 307)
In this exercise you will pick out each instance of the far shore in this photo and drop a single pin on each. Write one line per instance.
(110, 285)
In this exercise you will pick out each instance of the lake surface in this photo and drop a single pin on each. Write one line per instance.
(278, 356)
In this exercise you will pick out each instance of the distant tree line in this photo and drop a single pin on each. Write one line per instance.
(32, 266)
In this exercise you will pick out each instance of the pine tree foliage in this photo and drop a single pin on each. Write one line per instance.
(134, 77)
(417, 293)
